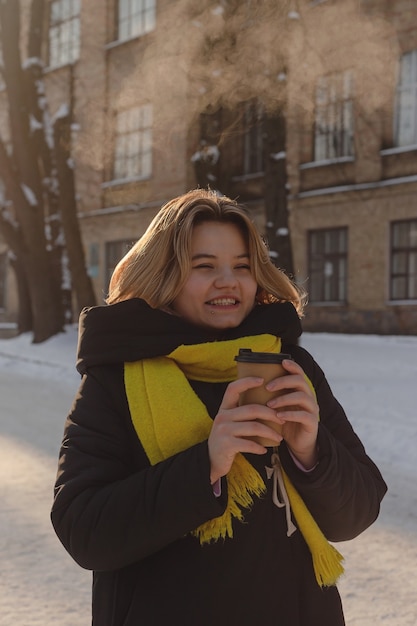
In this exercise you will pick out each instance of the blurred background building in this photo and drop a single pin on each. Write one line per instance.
(306, 112)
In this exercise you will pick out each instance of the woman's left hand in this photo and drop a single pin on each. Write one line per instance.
(299, 412)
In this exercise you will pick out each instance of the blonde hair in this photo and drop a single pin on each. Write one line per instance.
(157, 266)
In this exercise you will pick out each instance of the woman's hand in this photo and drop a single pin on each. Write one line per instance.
(234, 425)
(298, 411)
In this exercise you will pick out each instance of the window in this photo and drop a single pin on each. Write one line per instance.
(3, 270)
(328, 265)
(406, 109)
(333, 136)
(64, 32)
(252, 138)
(135, 18)
(115, 251)
(403, 282)
(247, 147)
(133, 143)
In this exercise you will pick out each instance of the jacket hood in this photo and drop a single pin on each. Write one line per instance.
(131, 330)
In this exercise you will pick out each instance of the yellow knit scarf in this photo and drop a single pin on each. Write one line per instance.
(169, 422)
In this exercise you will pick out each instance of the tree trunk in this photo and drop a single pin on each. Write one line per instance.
(275, 193)
(24, 316)
(23, 175)
(81, 281)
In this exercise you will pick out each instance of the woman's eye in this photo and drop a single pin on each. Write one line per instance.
(244, 266)
(202, 266)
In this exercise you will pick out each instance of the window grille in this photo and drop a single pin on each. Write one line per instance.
(333, 134)
(327, 256)
(133, 143)
(403, 274)
(135, 18)
(405, 121)
(64, 32)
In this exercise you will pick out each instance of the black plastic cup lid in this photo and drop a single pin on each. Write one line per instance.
(247, 356)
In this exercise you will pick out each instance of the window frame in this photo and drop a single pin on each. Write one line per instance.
(133, 164)
(404, 91)
(334, 128)
(247, 141)
(126, 26)
(68, 30)
(338, 283)
(409, 256)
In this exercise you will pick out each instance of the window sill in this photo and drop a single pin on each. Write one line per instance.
(399, 149)
(325, 162)
(121, 42)
(241, 178)
(53, 68)
(410, 302)
(118, 182)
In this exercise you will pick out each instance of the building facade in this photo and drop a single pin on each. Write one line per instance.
(352, 165)
(334, 171)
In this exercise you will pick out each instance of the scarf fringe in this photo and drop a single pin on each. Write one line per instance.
(327, 566)
(243, 482)
(327, 561)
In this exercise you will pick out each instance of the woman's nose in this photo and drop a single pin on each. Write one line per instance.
(225, 277)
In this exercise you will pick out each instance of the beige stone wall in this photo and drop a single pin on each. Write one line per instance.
(367, 215)
(364, 194)
(330, 36)
(112, 76)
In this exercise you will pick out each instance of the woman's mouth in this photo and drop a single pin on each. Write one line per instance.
(223, 302)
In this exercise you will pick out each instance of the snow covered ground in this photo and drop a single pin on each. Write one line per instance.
(375, 378)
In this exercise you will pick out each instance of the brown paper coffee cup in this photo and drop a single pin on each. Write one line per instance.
(268, 366)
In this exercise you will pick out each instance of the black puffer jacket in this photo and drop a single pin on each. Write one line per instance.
(130, 522)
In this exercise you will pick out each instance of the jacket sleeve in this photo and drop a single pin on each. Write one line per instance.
(345, 490)
(111, 508)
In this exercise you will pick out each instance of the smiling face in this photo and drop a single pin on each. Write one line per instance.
(220, 289)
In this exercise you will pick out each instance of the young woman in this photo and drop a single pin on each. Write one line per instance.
(162, 489)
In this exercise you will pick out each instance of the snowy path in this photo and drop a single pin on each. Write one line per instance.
(375, 379)
(41, 586)
(39, 583)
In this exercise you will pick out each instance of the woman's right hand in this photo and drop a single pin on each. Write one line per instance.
(234, 426)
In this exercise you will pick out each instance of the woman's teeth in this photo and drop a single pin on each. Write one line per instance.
(223, 301)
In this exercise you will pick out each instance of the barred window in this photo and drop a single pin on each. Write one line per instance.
(135, 18)
(327, 256)
(247, 143)
(64, 32)
(403, 274)
(133, 143)
(333, 135)
(406, 106)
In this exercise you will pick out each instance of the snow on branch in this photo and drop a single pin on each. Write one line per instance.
(33, 62)
(209, 154)
(34, 124)
(29, 195)
(7, 217)
(277, 156)
(62, 113)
